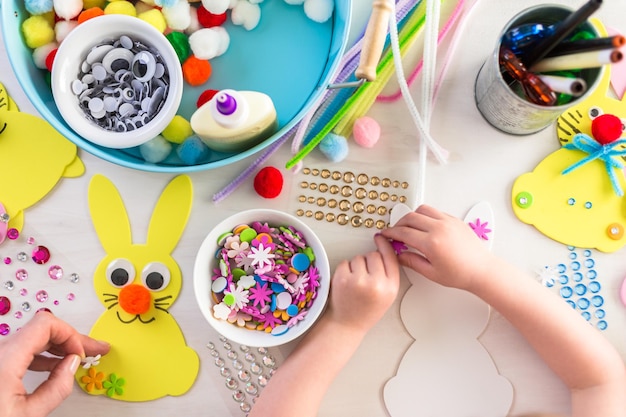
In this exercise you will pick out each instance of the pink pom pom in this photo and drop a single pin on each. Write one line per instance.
(366, 131)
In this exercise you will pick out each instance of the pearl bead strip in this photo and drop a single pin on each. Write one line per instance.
(244, 370)
(348, 198)
(577, 283)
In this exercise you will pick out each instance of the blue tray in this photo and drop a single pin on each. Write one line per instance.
(287, 56)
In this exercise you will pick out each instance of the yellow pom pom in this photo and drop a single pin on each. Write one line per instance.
(121, 7)
(88, 4)
(178, 130)
(155, 18)
(37, 31)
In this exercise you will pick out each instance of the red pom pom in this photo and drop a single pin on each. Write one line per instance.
(205, 97)
(268, 183)
(606, 128)
(208, 19)
(50, 59)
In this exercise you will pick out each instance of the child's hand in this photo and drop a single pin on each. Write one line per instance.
(363, 288)
(450, 253)
(22, 351)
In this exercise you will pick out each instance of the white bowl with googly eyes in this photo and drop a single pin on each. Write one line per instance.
(277, 310)
(117, 81)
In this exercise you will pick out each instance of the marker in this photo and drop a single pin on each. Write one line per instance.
(587, 45)
(539, 50)
(534, 88)
(582, 60)
(572, 86)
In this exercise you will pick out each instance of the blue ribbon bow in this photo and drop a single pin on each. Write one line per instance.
(608, 153)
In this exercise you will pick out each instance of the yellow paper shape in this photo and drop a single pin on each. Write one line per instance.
(579, 208)
(149, 358)
(34, 157)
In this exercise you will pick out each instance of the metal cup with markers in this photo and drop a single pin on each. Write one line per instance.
(516, 98)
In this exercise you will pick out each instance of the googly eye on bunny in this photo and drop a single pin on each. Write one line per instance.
(137, 284)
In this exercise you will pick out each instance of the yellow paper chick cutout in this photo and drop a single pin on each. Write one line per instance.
(137, 284)
(580, 208)
(34, 158)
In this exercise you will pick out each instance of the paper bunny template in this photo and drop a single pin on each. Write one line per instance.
(447, 371)
(137, 284)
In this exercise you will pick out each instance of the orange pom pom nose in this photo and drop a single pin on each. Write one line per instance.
(606, 128)
(135, 299)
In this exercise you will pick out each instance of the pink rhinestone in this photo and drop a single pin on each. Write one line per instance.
(7, 260)
(23, 292)
(55, 272)
(41, 255)
(71, 296)
(5, 305)
(18, 315)
(13, 233)
(55, 302)
(41, 296)
(5, 329)
(30, 240)
(21, 274)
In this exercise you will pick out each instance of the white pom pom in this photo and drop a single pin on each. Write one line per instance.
(194, 24)
(319, 10)
(216, 6)
(40, 54)
(246, 14)
(62, 28)
(224, 40)
(68, 9)
(178, 16)
(205, 43)
(255, 1)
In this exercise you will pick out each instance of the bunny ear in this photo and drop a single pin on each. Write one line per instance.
(108, 214)
(171, 214)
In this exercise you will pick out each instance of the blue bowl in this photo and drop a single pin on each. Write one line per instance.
(287, 56)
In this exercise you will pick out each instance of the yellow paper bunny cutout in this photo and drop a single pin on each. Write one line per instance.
(575, 195)
(137, 284)
(34, 158)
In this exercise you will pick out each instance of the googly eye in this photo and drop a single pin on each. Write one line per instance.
(143, 66)
(594, 112)
(120, 272)
(155, 276)
(117, 59)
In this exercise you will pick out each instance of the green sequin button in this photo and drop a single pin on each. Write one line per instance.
(524, 199)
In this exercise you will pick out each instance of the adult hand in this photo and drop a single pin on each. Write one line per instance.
(23, 350)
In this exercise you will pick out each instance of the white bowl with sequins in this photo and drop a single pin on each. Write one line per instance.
(133, 109)
(206, 262)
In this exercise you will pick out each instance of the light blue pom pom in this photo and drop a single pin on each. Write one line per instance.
(335, 147)
(165, 3)
(38, 6)
(192, 150)
(155, 150)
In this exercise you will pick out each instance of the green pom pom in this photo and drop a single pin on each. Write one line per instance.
(180, 43)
